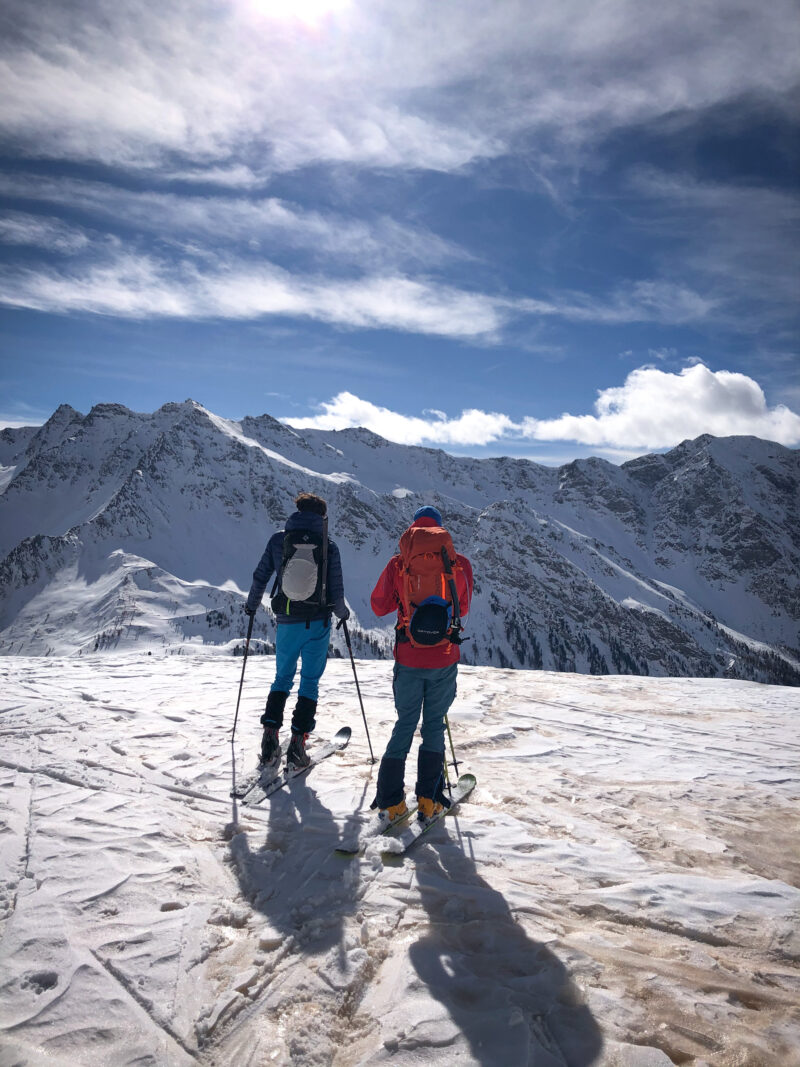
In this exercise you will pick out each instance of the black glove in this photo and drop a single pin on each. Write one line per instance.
(250, 611)
(344, 615)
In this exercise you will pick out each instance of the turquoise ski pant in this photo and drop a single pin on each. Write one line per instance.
(309, 644)
(421, 690)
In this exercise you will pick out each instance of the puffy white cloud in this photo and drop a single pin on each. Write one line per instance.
(656, 409)
(470, 428)
(652, 409)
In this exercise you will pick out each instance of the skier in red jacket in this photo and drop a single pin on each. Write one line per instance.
(425, 669)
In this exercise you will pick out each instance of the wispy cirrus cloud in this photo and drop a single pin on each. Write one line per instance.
(148, 89)
(733, 239)
(542, 178)
(652, 300)
(143, 287)
(257, 222)
(41, 231)
(16, 416)
(376, 85)
(213, 285)
(651, 409)
(143, 87)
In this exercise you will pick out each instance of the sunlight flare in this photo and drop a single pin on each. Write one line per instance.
(310, 12)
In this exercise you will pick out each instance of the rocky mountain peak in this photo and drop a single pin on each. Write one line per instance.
(121, 528)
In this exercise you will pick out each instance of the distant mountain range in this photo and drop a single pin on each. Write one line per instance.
(120, 529)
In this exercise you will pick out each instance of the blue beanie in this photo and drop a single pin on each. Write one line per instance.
(428, 512)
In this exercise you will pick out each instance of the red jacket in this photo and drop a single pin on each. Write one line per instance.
(386, 597)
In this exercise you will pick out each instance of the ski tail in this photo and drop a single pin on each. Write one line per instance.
(376, 827)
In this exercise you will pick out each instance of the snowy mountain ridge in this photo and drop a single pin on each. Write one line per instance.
(120, 529)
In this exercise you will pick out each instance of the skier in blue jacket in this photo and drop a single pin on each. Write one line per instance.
(303, 630)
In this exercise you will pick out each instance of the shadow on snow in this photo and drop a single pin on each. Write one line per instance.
(510, 996)
(294, 879)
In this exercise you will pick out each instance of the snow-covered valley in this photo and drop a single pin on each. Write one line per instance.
(621, 889)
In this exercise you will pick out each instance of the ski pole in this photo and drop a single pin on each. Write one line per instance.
(343, 624)
(241, 680)
(452, 750)
(447, 775)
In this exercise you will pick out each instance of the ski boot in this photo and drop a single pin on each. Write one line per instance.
(393, 813)
(270, 748)
(296, 755)
(271, 721)
(428, 808)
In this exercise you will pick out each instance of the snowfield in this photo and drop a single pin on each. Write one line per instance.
(621, 889)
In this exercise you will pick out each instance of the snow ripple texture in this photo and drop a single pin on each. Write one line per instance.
(620, 889)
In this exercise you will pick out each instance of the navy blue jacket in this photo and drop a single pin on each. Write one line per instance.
(273, 557)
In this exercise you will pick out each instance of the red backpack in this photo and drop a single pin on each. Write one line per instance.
(429, 611)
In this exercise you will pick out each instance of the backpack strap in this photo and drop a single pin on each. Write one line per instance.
(401, 629)
(278, 572)
(323, 592)
(454, 635)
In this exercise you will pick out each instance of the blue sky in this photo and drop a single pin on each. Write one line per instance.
(550, 229)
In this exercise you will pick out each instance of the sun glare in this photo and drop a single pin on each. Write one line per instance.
(311, 12)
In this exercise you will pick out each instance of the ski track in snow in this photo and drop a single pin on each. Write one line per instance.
(619, 890)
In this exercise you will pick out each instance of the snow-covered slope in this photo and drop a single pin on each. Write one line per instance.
(621, 889)
(120, 529)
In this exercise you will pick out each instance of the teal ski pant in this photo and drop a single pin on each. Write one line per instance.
(421, 690)
(309, 644)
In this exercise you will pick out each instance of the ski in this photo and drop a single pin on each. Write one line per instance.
(258, 779)
(413, 831)
(261, 791)
(374, 828)
(260, 776)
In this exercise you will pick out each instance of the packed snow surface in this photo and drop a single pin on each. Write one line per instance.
(621, 888)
